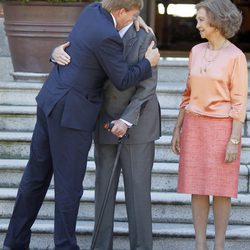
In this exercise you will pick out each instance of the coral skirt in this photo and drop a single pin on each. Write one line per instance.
(202, 169)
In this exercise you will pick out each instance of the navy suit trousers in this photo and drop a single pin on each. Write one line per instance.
(54, 150)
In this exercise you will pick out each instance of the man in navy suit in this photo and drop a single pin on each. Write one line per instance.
(68, 106)
(137, 107)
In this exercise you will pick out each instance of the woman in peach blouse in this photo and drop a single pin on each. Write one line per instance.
(207, 134)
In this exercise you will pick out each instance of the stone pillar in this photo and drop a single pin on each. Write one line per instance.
(1, 10)
(148, 12)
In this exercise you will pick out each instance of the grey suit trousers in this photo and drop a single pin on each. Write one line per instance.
(136, 162)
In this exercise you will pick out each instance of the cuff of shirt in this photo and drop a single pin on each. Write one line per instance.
(127, 123)
(52, 60)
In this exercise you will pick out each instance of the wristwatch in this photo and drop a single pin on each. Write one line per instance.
(234, 141)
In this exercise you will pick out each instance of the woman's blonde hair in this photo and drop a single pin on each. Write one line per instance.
(111, 5)
(223, 15)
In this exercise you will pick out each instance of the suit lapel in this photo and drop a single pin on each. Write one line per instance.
(128, 40)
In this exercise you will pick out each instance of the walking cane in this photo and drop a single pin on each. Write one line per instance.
(104, 203)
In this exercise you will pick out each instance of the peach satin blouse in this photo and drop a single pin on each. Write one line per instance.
(218, 88)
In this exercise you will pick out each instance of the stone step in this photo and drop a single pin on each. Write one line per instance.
(18, 93)
(16, 145)
(169, 117)
(165, 154)
(169, 94)
(172, 236)
(170, 69)
(167, 207)
(24, 93)
(175, 69)
(17, 118)
(23, 118)
(164, 176)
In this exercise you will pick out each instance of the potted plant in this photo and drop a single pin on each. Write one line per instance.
(33, 29)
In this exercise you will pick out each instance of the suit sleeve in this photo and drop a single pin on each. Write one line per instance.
(144, 91)
(110, 56)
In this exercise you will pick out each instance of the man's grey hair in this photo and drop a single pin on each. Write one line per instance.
(113, 5)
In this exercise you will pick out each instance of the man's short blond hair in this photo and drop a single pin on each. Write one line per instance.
(113, 5)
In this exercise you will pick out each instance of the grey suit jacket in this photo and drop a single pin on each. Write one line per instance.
(138, 105)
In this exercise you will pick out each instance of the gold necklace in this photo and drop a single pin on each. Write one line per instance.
(207, 60)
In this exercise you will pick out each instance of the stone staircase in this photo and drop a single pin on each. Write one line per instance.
(172, 222)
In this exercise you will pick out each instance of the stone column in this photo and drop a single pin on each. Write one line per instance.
(1, 10)
(148, 12)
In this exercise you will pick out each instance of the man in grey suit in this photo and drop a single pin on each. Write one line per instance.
(137, 108)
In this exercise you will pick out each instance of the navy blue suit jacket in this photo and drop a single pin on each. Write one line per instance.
(96, 51)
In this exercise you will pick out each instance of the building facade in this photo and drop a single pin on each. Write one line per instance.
(175, 30)
(174, 24)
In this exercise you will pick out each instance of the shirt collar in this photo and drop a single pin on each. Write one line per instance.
(115, 23)
(123, 31)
